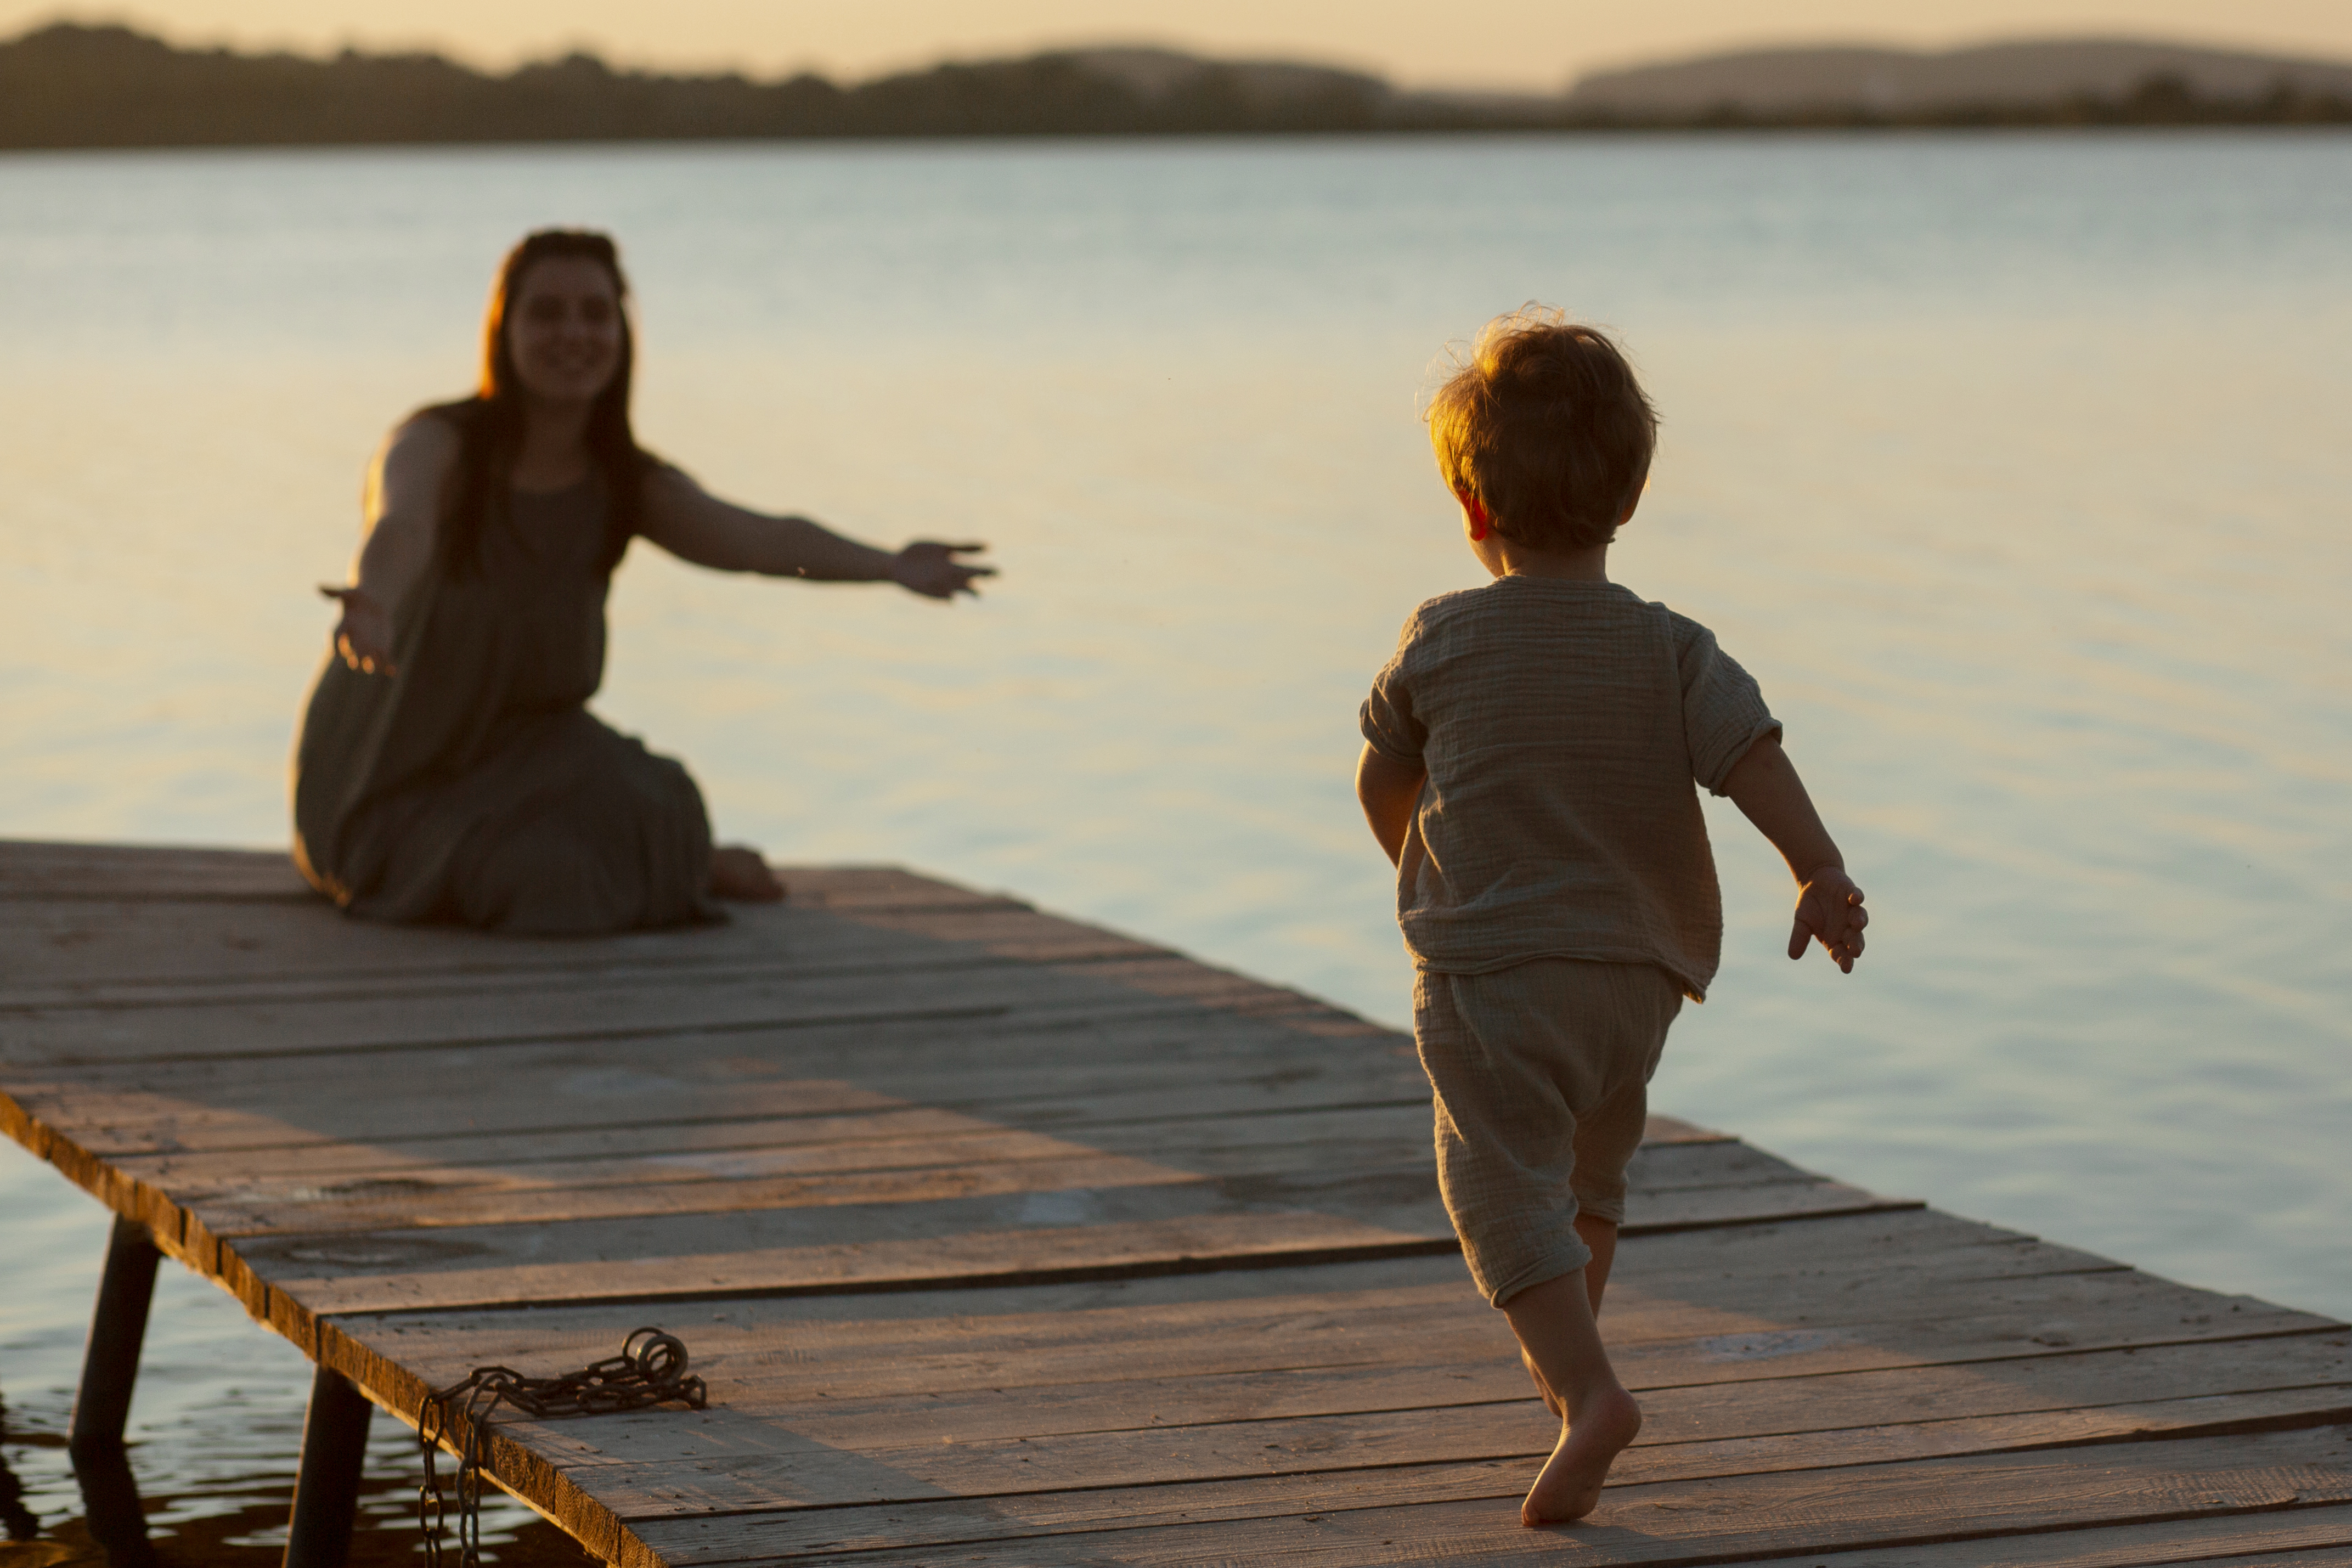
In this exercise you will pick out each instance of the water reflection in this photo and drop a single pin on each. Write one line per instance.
(15, 1516)
(116, 1519)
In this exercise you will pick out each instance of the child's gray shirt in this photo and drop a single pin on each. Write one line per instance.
(1563, 725)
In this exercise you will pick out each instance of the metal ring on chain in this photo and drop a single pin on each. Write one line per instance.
(650, 1369)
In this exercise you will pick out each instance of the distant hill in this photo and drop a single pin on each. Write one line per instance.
(1899, 82)
(73, 86)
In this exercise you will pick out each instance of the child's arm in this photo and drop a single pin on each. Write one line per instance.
(1390, 790)
(1765, 787)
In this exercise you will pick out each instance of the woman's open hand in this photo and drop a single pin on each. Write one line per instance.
(363, 636)
(930, 568)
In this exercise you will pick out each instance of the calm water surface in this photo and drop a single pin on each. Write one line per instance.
(2015, 467)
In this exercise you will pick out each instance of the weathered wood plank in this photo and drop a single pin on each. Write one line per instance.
(738, 1006)
(787, 941)
(828, 1245)
(995, 1002)
(45, 868)
(689, 1468)
(772, 942)
(1409, 1314)
(993, 1163)
(1085, 1072)
(875, 1170)
(962, 1257)
(1919, 1253)
(188, 1172)
(103, 949)
(35, 869)
(1364, 1519)
(885, 1138)
(2301, 1537)
(787, 1389)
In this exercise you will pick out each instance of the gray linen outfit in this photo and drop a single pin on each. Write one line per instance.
(475, 786)
(1562, 725)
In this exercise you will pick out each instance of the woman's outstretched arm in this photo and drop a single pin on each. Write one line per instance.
(402, 510)
(694, 525)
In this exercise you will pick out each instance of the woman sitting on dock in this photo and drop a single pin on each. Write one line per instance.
(447, 767)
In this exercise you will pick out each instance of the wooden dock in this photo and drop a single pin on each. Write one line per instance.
(1006, 1240)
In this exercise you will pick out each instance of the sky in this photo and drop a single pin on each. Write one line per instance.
(1510, 44)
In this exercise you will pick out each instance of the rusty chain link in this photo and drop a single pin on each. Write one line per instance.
(648, 1373)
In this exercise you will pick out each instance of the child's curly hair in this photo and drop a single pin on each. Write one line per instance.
(1545, 426)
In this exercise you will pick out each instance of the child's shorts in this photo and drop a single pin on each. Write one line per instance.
(1542, 1074)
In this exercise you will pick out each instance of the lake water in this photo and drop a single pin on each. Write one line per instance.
(2017, 469)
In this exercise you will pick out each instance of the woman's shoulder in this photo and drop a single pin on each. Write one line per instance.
(439, 425)
(430, 438)
(416, 459)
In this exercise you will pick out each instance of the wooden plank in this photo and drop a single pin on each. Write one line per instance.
(835, 1172)
(678, 1469)
(892, 1137)
(138, 947)
(958, 1258)
(928, 1039)
(825, 949)
(880, 890)
(32, 869)
(1397, 1314)
(104, 949)
(319, 1159)
(1371, 1518)
(1022, 996)
(831, 1244)
(769, 943)
(1450, 1348)
(810, 1379)
(1229, 1066)
(347, 1179)
(788, 1387)
(2303, 1538)
(1000, 931)
(885, 1139)
(789, 1390)
(965, 1168)
(554, 1011)
(585, 1106)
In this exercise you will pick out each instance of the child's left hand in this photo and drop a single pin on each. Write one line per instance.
(1830, 911)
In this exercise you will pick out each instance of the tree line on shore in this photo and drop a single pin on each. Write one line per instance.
(67, 86)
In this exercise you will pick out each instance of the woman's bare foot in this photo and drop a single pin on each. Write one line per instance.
(1551, 1400)
(737, 872)
(1569, 1486)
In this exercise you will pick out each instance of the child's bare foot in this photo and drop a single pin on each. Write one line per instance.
(1551, 1400)
(1569, 1486)
(737, 872)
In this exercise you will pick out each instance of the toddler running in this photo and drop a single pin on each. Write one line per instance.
(1530, 752)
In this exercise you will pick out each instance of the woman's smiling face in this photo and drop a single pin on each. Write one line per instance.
(563, 329)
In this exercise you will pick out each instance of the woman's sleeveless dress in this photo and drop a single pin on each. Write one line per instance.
(473, 786)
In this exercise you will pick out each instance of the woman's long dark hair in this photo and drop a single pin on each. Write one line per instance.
(489, 422)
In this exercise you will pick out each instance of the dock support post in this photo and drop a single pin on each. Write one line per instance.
(327, 1488)
(103, 1404)
(110, 1364)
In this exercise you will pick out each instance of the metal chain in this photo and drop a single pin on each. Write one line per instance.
(649, 1372)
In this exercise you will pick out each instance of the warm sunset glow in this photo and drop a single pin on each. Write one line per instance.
(1503, 43)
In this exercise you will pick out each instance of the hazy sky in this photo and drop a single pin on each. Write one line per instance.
(1513, 43)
